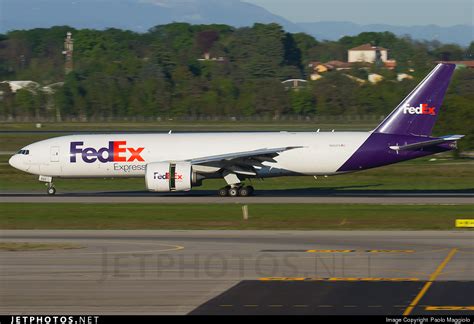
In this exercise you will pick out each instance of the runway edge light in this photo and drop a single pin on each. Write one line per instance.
(465, 223)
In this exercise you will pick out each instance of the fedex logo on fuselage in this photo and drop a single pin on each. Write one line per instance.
(422, 109)
(116, 151)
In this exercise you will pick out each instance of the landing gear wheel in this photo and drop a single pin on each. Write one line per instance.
(233, 192)
(223, 192)
(250, 190)
(244, 191)
(51, 191)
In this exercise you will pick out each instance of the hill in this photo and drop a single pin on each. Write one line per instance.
(135, 15)
(140, 15)
(333, 30)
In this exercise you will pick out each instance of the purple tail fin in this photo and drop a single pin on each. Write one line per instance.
(417, 113)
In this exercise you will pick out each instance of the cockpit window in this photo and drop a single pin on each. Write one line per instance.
(24, 152)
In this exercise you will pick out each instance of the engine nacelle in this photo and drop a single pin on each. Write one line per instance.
(166, 177)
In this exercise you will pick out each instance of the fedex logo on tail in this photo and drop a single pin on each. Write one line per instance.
(116, 151)
(422, 109)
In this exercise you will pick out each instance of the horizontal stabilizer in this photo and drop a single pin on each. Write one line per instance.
(418, 145)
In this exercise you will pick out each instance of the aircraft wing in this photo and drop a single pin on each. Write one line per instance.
(265, 154)
(437, 141)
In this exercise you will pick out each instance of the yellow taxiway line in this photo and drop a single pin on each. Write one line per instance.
(428, 284)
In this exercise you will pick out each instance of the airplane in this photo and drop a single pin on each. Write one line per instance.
(179, 161)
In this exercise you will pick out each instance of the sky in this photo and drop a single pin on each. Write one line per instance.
(393, 12)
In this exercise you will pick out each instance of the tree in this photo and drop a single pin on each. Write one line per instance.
(24, 103)
(302, 102)
(335, 94)
(271, 99)
(120, 73)
(163, 58)
(449, 52)
(7, 101)
(259, 50)
(245, 103)
(327, 51)
(186, 91)
(305, 43)
(469, 54)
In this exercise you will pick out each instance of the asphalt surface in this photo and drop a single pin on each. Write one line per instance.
(239, 272)
(300, 196)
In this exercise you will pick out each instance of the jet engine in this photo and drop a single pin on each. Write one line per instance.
(166, 177)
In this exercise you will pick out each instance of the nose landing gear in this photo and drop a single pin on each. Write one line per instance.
(50, 190)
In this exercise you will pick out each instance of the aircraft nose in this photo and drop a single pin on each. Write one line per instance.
(14, 161)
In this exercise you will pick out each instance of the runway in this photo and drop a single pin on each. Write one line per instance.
(240, 272)
(294, 196)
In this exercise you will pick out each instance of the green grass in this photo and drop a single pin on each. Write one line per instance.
(216, 216)
(10, 143)
(26, 246)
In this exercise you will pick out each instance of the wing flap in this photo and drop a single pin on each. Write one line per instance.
(243, 171)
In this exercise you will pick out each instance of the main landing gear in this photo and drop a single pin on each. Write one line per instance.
(235, 191)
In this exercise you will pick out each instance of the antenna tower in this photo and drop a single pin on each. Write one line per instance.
(68, 51)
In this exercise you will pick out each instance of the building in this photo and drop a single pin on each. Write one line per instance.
(315, 76)
(390, 64)
(356, 79)
(33, 86)
(294, 84)
(27, 85)
(313, 64)
(403, 76)
(375, 78)
(337, 65)
(317, 67)
(367, 53)
(207, 57)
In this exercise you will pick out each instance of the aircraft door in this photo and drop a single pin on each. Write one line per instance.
(54, 154)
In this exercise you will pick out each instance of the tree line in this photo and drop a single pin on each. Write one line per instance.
(119, 73)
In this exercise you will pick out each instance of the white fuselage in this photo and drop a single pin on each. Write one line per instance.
(319, 153)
